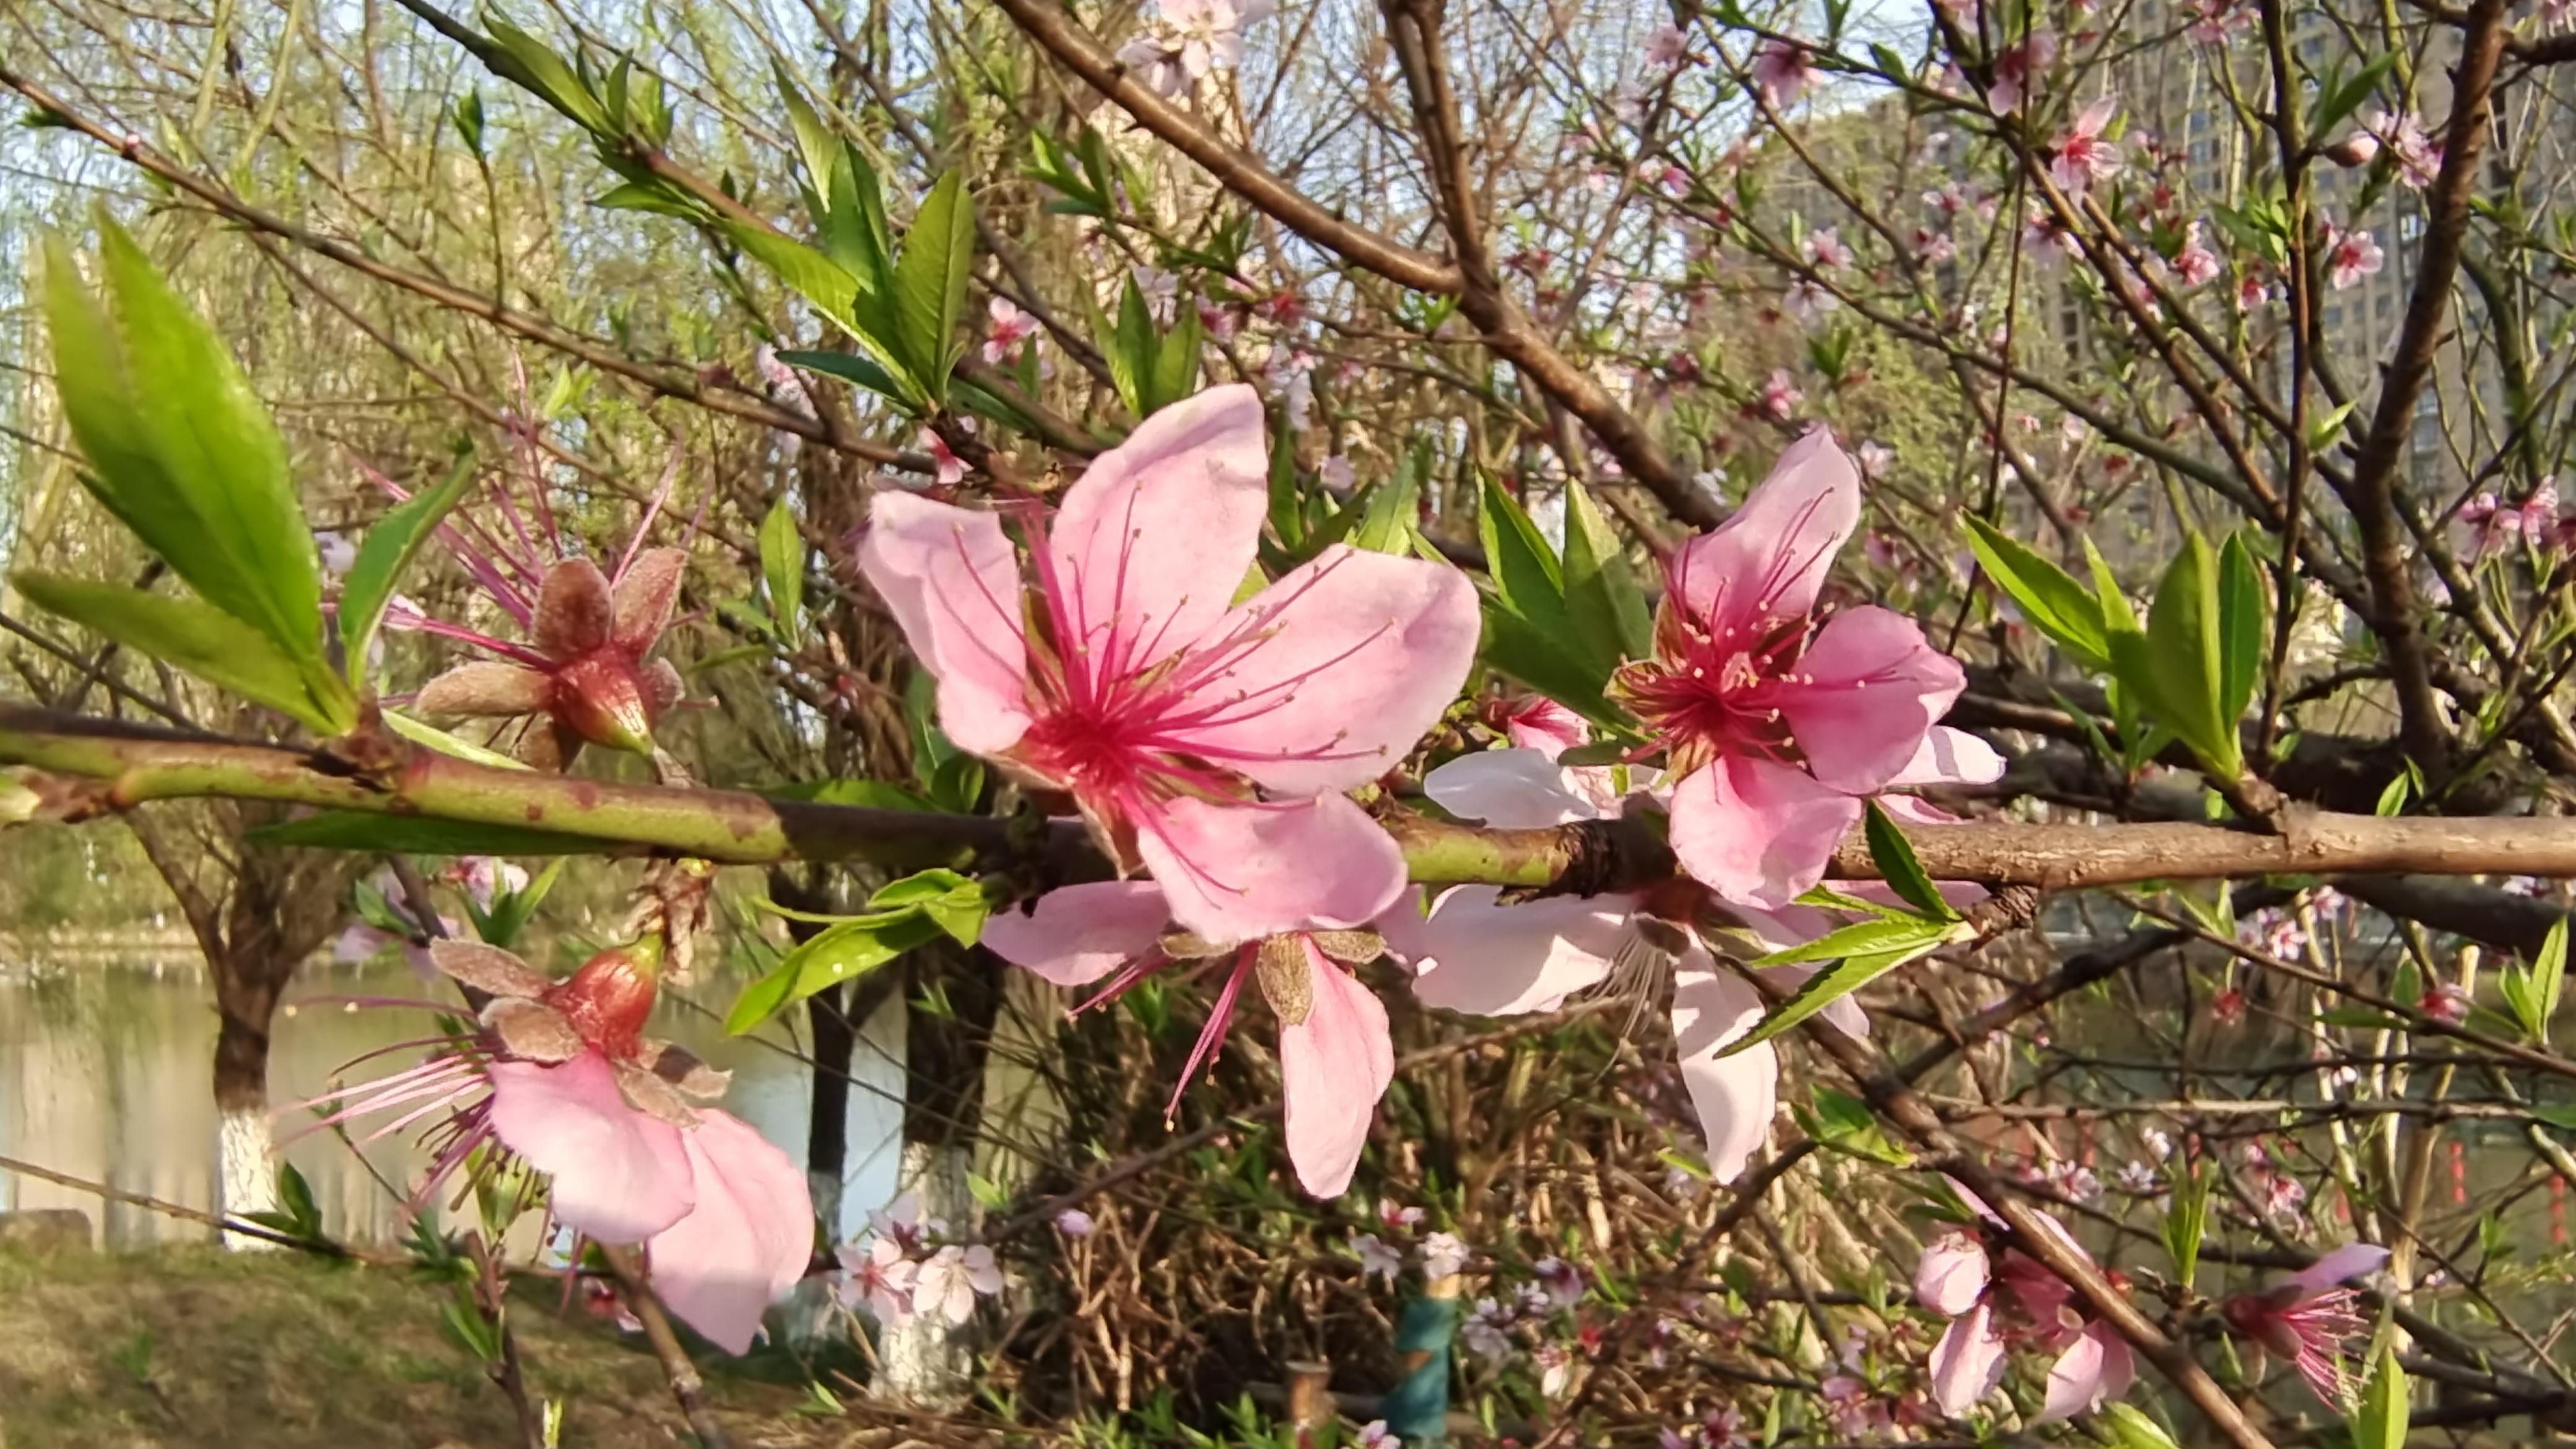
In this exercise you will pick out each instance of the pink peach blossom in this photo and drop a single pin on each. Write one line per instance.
(2309, 1317)
(2083, 157)
(1777, 721)
(1205, 743)
(1784, 71)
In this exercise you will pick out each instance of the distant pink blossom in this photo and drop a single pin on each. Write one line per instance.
(1808, 299)
(945, 465)
(1667, 47)
(2195, 263)
(1827, 251)
(2016, 67)
(2417, 154)
(2083, 157)
(1780, 396)
(1933, 247)
(2350, 256)
(1784, 71)
(1992, 1301)
(1009, 328)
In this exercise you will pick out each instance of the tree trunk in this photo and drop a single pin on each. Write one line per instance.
(928, 1363)
(246, 1180)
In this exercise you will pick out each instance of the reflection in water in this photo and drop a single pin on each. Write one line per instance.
(104, 1075)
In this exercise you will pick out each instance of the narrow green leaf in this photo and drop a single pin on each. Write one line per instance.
(1863, 938)
(1601, 593)
(384, 554)
(872, 794)
(201, 639)
(1387, 526)
(782, 569)
(2130, 1428)
(654, 196)
(853, 949)
(529, 63)
(850, 367)
(1841, 1122)
(2382, 1417)
(2343, 100)
(762, 999)
(816, 146)
(1524, 652)
(2244, 620)
(2548, 976)
(2175, 667)
(930, 284)
(2186, 1221)
(809, 273)
(2114, 601)
(2050, 598)
(418, 835)
(1893, 854)
(184, 453)
(1833, 984)
(447, 744)
(1523, 566)
(1131, 350)
(1287, 518)
(1175, 373)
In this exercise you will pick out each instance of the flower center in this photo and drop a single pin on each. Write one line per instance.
(1710, 696)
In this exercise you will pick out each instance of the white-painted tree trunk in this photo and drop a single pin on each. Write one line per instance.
(929, 1363)
(245, 1172)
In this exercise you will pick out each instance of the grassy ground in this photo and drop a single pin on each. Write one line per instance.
(197, 1347)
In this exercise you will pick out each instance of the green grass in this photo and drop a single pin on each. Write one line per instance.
(197, 1347)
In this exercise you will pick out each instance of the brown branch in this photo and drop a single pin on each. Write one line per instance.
(2370, 493)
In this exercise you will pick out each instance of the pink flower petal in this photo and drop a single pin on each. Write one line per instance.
(1546, 726)
(953, 584)
(1756, 831)
(1952, 1275)
(1324, 680)
(748, 1240)
(1080, 933)
(1769, 560)
(1734, 1096)
(1870, 688)
(1333, 1067)
(2352, 1260)
(1152, 542)
(1240, 872)
(1483, 959)
(2095, 1367)
(619, 1175)
(1968, 1362)
(1507, 789)
(1952, 757)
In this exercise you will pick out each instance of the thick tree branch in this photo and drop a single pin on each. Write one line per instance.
(105, 765)
(2370, 493)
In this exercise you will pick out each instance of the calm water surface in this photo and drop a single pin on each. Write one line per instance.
(105, 1065)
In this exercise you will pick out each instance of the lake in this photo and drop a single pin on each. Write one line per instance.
(105, 1064)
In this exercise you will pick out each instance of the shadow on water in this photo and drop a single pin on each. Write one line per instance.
(104, 1070)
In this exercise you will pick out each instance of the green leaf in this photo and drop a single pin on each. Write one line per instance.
(1525, 652)
(1524, 568)
(1863, 938)
(954, 902)
(387, 550)
(2175, 667)
(2381, 1419)
(2130, 1428)
(930, 284)
(1175, 372)
(204, 641)
(529, 63)
(447, 744)
(816, 145)
(2050, 598)
(183, 452)
(2186, 1221)
(418, 835)
(1287, 517)
(782, 569)
(1844, 1123)
(1387, 526)
(512, 910)
(1894, 856)
(1835, 982)
(850, 367)
(2244, 617)
(2114, 601)
(1131, 349)
(2342, 100)
(658, 197)
(1601, 594)
(2532, 991)
(2559, 1115)
(872, 794)
(761, 1000)
(810, 274)
(854, 948)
